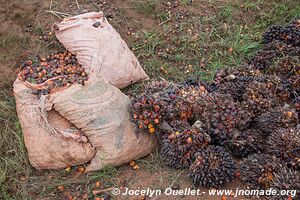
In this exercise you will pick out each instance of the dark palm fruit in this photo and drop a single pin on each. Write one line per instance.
(284, 91)
(147, 112)
(57, 70)
(235, 87)
(176, 109)
(293, 161)
(285, 143)
(296, 104)
(276, 118)
(288, 34)
(244, 143)
(178, 148)
(294, 86)
(286, 66)
(213, 167)
(235, 81)
(260, 96)
(179, 125)
(257, 171)
(227, 75)
(169, 105)
(265, 58)
(286, 179)
(220, 115)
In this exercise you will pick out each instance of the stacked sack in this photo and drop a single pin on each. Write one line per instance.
(69, 105)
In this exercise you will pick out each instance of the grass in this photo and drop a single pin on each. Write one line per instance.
(212, 35)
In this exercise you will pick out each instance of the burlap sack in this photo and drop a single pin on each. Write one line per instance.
(47, 150)
(100, 110)
(100, 49)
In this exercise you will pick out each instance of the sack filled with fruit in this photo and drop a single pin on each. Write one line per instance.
(69, 118)
(100, 111)
(47, 148)
(100, 49)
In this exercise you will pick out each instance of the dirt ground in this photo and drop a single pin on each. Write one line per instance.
(172, 39)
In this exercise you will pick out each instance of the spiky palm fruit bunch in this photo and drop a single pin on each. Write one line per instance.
(177, 111)
(284, 91)
(286, 179)
(294, 160)
(286, 67)
(227, 75)
(178, 148)
(171, 104)
(147, 112)
(296, 105)
(213, 167)
(236, 87)
(288, 34)
(244, 143)
(276, 118)
(236, 81)
(294, 83)
(264, 59)
(257, 171)
(285, 143)
(220, 115)
(260, 96)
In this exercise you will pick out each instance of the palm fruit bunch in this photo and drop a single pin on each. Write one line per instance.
(244, 143)
(186, 97)
(178, 148)
(233, 82)
(147, 112)
(260, 96)
(294, 86)
(265, 58)
(225, 75)
(284, 91)
(170, 104)
(288, 34)
(55, 71)
(286, 66)
(285, 144)
(213, 167)
(234, 86)
(176, 111)
(220, 115)
(296, 105)
(276, 118)
(257, 171)
(286, 179)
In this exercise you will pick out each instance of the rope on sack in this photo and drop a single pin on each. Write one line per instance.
(66, 133)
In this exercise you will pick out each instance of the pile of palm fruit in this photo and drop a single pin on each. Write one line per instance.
(58, 70)
(242, 125)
